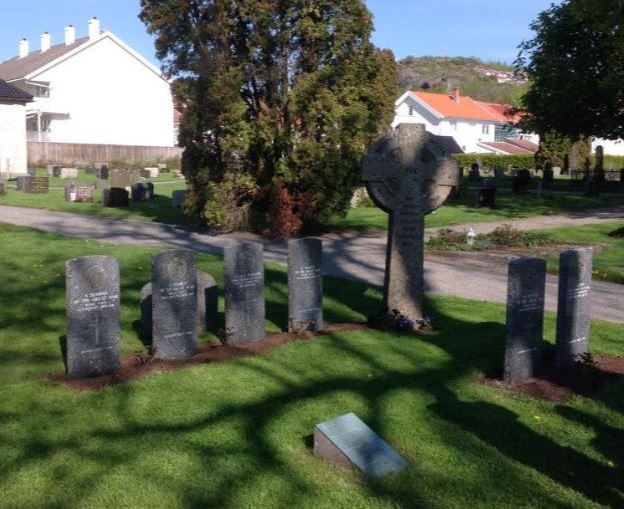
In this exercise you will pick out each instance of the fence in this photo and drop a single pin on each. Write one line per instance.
(40, 153)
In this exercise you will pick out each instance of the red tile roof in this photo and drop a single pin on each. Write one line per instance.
(465, 107)
(16, 67)
(526, 144)
(506, 147)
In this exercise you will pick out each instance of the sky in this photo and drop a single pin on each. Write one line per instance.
(489, 29)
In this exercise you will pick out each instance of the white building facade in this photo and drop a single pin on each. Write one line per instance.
(13, 154)
(94, 90)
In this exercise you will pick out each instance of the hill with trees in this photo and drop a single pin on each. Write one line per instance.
(484, 81)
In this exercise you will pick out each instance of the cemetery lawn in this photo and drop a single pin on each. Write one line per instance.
(456, 212)
(238, 434)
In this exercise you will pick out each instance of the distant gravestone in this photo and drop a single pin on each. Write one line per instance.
(121, 178)
(207, 305)
(348, 442)
(50, 169)
(474, 175)
(102, 172)
(407, 174)
(142, 191)
(84, 193)
(150, 173)
(244, 293)
(499, 172)
(21, 182)
(178, 197)
(2, 189)
(305, 285)
(115, 197)
(174, 304)
(56, 171)
(102, 184)
(36, 185)
(521, 181)
(525, 318)
(92, 301)
(69, 173)
(70, 191)
(575, 270)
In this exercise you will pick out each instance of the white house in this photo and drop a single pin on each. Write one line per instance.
(476, 126)
(94, 89)
(13, 103)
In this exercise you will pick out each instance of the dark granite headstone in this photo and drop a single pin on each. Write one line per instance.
(207, 305)
(178, 197)
(348, 442)
(36, 185)
(499, 172)
(174, 304)
(142, 191)
(102, 172)
(474, 174)
(575, 269)
(56, 171)
(244, 293)
(520, 182)
(115, 197)
(305, 285)
(92, 301)
(525, 318)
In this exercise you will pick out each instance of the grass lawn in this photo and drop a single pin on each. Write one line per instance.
(239, 434)
(159, 209)
(455, 212)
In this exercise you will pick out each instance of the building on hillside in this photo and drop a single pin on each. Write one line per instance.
(13, 103)
(94, 89)
(475, 125)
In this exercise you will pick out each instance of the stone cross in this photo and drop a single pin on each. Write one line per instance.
(407, 174)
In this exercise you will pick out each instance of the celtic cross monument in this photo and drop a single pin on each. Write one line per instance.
(407, 174)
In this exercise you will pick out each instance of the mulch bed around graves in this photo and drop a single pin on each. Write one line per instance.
(560, 386)
(139, 365)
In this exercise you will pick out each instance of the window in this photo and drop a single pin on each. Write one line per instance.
(485, 129)
(411, 111)
(454, 125)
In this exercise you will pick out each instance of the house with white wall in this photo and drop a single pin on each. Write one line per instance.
(93, 89)
(13, 103)
(475, 125)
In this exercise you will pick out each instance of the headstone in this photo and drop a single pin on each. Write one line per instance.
(56, 171)
(69, 173)
(2, 189)
(142, 191)
(174, 304)
(520, 182)
(486, 196)
(474, 174)
(70, 191)
(102, 172)
(21, 182)
(151, 172)
(92, 300)
(549, 175)
(102, 184)
(348, 442)
(162, 166)
(207, 305)
(115, 197)
(599, 166)
(178, 197)
(244, 293)
(50, 169)
(499, 172)
(575, 270)
(525, 318)
(121, 178)
(407, 174)
(36, 185)
(90, 170)
(305, 285)
(84, 194)
(556, 171)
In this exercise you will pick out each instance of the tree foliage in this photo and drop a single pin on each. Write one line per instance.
(289, 93)
(576, 65)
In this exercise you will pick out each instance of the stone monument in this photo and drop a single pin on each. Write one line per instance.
(92, 302)
(305, 285)
(407, 174)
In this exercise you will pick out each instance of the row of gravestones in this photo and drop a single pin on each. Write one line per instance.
(525, 313)
(93, 303)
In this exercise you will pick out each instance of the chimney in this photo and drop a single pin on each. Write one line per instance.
(70, 35)
(23, 48)
(94, 28)
(46, 41)
(455, 95)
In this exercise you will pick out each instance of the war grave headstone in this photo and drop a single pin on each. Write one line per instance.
(142, 191)
(115, 197)
(525, 318)
(69, 173)
(178, 197)
(244, 292)
(573, 306)
(174, 304)
(348, 442)
(36, 185)
(102, 184)
(305, 285)
(207, 305)
(407, 174)
(93, 327)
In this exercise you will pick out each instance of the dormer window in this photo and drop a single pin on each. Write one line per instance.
(410, 111)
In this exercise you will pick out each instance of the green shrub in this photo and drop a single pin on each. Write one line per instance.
(523, 162)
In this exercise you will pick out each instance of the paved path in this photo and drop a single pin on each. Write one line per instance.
(355, 256)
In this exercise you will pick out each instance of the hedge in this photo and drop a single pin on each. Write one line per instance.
(523, 162)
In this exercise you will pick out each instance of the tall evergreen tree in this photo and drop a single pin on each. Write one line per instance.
(281, 99)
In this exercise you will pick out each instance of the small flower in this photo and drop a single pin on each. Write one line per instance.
(610, 464)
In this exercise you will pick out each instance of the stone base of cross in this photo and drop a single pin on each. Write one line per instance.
(408, 174)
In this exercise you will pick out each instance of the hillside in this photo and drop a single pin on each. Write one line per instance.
(485, 81)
